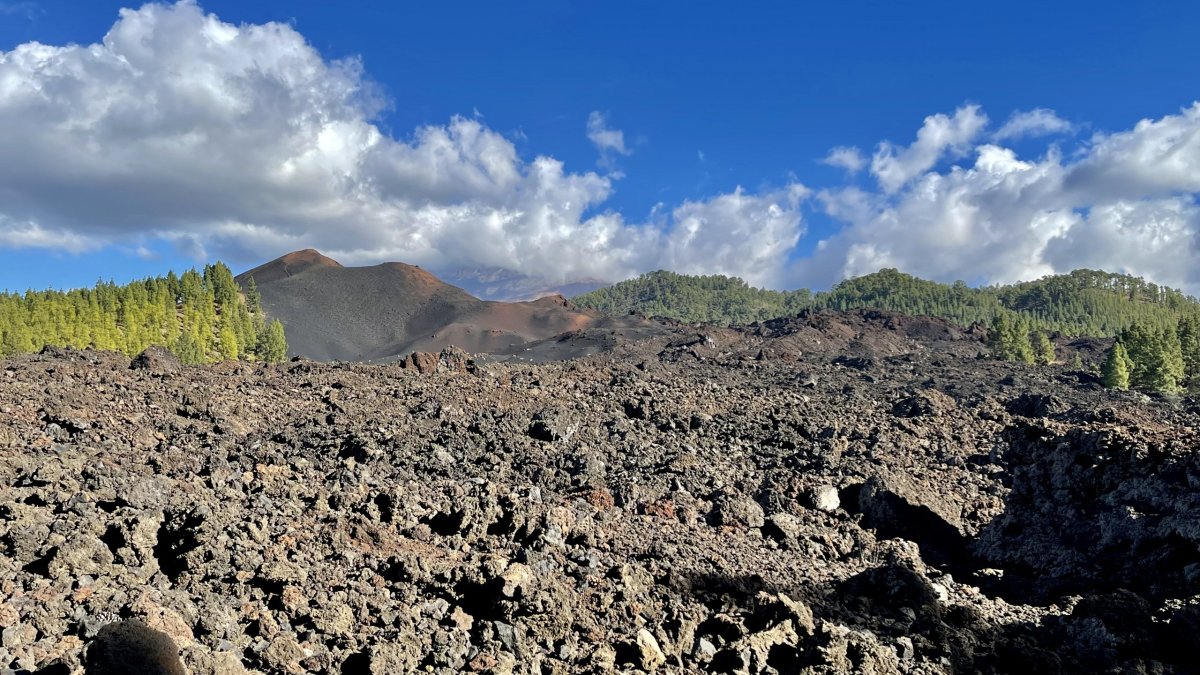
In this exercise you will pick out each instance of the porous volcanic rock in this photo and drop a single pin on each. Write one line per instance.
(829, 493)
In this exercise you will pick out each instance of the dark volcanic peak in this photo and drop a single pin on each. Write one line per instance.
(385, 311)
(288, 265)
(309, 256)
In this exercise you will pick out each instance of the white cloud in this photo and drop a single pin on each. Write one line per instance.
(1154, 238)
(895, 167)
(1029, 123)
(1126, 203)
(846, 157)
(1157, 157)
(608, 142)
(243, 142)
(736, 234)
(974, 223)
(31, 235)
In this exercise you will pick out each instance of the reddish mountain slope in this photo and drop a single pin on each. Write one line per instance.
(289, 265)
(333, 312)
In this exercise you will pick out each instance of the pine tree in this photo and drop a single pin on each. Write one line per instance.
(996, 336)
(1189, 344)
(1167, 368)
(1157, 357)
(187, 349)
(1019, 339)
(228, 343)
(272, 345)
(1115, 369)
(243, 327)
(191, 286)
(219, 281)
(253, 297)
(1043, 348)
(17, 339)
(1141, 343)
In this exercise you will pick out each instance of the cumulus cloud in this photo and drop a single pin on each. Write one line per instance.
(1030, 123)
(244, 142)
(736, 234)
(1157, 157)
(1154, 238)
(846, 157)
(976, 223)
(1126, 203)
(894, 167)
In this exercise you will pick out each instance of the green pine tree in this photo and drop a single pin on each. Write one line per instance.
(272, 346)
(1116, 367)
(16, 339)
(253, 297)
(1019, 339)
(1189, 345)
(1043, 347)
(188, 349)
(1140, 341)
(996, 336)
(1168, 366)
(227, 343)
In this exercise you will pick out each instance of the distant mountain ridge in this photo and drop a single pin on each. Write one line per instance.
(332, 312)
(493, 283)
(1083, 302)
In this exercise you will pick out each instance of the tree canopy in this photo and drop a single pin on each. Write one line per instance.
(1084, 302)
(1155, 357)
(1115, 369)
(1158, 328)
(202, 316)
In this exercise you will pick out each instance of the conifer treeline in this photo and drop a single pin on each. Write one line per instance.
(1013, 337)
(1084, 302)
(202, 317)
(1155, 359)
(709, 299)
(1158, 328)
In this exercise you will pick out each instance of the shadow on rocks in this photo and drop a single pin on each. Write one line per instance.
(1092, 512)
(132, 648)
(1101, 516)
(895, 614)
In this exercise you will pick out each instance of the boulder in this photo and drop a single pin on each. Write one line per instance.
(132, 648)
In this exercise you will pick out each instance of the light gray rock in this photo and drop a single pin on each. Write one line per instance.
(650, 653)
(825, 498)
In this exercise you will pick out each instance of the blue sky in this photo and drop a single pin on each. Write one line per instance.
(708, 98)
